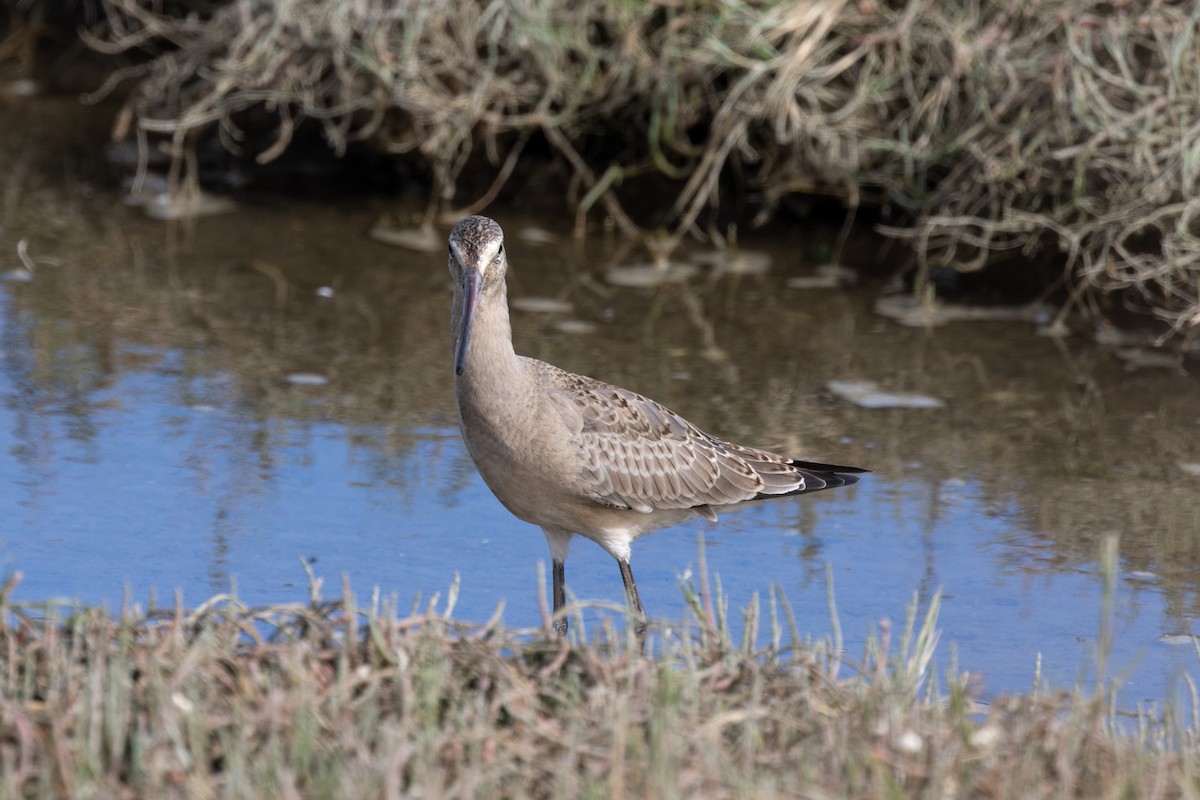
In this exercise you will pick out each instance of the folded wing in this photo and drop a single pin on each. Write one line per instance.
(640, 455)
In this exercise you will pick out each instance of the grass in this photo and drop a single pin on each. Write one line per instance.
(330, 699)
(994, 132)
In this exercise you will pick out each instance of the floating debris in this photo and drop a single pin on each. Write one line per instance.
(813, 282)
(826, 276)
(1056, 328)
(542, 305)
(867, 394)
(1142, 575)
(1177, 639)
(138, 194)
(1141, 357)
(325, 291)
(1192, 469)
(154, 196)
(649, 275)
(734, 262)
(307, 379)
(577, 327)
(535, 235)
(423, 239)
(21, 87)
(1109, 334)
(908, 310)
(185, 205)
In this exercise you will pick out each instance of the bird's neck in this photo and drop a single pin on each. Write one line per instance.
(492, 368)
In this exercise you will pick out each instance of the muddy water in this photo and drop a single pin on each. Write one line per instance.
(194, 406)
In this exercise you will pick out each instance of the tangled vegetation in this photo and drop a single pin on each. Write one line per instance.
(997, 129)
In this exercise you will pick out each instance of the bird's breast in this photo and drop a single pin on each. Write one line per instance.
(519, 451)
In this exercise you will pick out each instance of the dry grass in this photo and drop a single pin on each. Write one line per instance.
(332, 700)
(998, 129)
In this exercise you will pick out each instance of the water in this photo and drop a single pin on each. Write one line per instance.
(154, 437)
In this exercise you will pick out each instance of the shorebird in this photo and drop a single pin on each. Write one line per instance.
(576, 456)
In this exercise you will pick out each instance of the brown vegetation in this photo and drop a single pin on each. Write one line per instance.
(998, 129)
(332, 700)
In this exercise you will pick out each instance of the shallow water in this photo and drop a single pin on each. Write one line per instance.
(156, 436)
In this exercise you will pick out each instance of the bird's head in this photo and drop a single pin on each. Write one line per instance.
(478, 266)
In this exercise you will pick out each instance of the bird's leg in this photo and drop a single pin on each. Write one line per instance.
(559, 570)
(635, 602)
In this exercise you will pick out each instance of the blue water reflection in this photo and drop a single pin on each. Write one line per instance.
(145, 481)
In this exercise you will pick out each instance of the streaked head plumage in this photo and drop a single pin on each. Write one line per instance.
(477, 243)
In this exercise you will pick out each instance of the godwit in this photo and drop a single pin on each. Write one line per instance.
(574, 455)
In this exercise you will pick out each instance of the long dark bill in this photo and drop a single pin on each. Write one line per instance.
(471, 286)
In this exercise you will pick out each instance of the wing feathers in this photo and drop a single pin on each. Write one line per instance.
(640, 455)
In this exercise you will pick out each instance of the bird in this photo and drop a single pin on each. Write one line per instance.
(577, 456)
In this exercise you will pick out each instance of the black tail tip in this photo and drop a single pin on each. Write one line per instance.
(813, 466)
